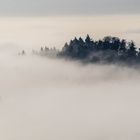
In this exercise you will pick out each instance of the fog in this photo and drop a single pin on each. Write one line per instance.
(57, 99)
(34, 32)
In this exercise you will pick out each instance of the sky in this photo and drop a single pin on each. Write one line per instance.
(67, 7)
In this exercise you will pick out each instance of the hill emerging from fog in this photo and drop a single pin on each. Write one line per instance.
(110, 50)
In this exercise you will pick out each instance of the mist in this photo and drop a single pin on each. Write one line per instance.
(57, 99)
(34, 32)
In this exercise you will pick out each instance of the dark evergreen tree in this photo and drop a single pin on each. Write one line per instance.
(131, 52)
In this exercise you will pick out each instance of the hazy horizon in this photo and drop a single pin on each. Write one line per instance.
(32, 33)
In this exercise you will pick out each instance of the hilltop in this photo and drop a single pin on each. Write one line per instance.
(108, 50)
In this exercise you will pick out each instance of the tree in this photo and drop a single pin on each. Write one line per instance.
(132, 49)
(109, 49)
(41, 49)
(89, 43)
(115, 43)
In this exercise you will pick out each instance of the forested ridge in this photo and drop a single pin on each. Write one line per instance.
(108, 50)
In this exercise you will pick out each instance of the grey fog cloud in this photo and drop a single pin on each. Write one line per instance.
(68, 7)
(52, 99)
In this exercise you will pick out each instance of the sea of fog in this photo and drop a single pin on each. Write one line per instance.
(52, 99)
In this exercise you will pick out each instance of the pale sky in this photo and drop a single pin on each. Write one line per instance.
(67, 7)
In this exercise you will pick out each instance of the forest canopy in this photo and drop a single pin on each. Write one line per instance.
(108, 50)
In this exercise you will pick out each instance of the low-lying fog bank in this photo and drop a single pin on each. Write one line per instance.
(49, 99)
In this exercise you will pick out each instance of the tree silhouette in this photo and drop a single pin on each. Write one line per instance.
(109, 49)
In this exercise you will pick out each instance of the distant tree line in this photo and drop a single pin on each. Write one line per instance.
(46, 51)
(108, 50)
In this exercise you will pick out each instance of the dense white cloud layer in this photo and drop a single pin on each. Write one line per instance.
(58, 100)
